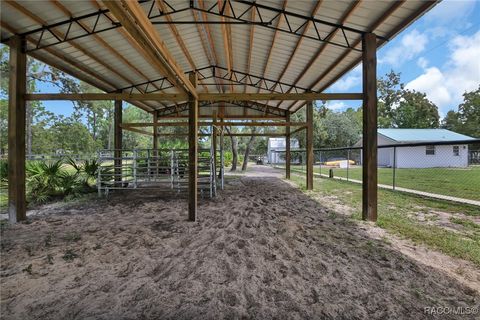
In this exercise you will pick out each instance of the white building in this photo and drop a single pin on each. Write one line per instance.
(425, 156)
(279, 144)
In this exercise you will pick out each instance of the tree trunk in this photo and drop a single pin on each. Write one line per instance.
(247, 150)
(234, 150)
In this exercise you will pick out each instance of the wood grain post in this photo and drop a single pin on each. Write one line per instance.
(287, 147)
(192, 152)
(369, 154)
(155, 132)
(309, 145)
(117, 140)
(214, 139)
(17, 207)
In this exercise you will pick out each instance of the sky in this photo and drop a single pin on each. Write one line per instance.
(439, 54)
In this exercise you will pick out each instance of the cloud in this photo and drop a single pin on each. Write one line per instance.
(445, 85)
(450, 12)
(349, 81)
(337, 105)
(422, 62)
(410, 45)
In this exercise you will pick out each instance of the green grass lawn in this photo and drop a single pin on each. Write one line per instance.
(395, 211)
(456, 182)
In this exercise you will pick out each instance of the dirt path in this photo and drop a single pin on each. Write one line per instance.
(261, 250)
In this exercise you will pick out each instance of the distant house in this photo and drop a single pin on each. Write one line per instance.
(279, 144)
(425, 156)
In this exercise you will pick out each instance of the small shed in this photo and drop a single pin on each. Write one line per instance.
(429, 154)
(275, 148)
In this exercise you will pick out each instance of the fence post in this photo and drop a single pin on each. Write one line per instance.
(348, 161)
(320, 163)
(394, 166)
(135, 168)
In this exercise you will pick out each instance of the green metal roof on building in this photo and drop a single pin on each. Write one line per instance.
(431, 135)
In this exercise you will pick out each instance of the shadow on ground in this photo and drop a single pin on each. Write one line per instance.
(261, 250)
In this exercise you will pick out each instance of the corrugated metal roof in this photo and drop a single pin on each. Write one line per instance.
(316, 64)
(430, 135)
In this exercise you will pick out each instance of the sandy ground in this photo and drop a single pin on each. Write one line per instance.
(260, 250)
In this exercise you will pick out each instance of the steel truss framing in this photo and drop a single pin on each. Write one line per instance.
(267, 109)
(100, 21)
(217, 72)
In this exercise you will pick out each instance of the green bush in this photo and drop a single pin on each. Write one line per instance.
(3, 170)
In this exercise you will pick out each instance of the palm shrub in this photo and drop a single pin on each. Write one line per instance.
(3, 170)
(44, 180)
(86, 171)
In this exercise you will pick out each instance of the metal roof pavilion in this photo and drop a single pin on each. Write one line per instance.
(235, 46)
(233, 59)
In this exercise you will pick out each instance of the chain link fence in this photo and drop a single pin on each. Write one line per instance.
(448, 170)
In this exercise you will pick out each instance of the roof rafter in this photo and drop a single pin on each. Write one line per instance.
(135, 21)
(26, 12)
(371, 28)
(314, 58)
(223, 74)
(300, 40)
(246, 104)
(178, 38)
(103, 43)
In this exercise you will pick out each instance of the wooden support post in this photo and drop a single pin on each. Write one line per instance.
(192, 152)
(369, 154)
(17, 210)
(155, 132)
(309, 145)
(117, 140)
(214, 139)
(287, 148)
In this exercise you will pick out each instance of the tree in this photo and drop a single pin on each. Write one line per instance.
(390, 90)
(416, 111)
(452, 121)
(341, 129)
(234, 144)
(248, 148)
(469, 113)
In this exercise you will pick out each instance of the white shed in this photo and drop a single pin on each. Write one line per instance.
(279, 144)
(424, 156)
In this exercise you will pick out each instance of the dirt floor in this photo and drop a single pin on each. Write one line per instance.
(261, 250)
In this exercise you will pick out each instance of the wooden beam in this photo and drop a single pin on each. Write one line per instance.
(201, 96)
(278, 96)
(225, 134)
(227, 117)
(287, 148)
(214, 138)
(318, 54)
(16, 130)
(155, 131)
(74, 64)
(369, 154)
(147, 133)
(108, 96)
(220, 123)
(250, 45)
(298, 130)
(59, 34)
(192, 152)
(299, 42)
(134, 19)
(178, 37)
(309, 148)
(117, 139)
(371, 28)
